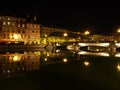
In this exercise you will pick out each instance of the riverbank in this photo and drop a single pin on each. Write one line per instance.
(21, 47)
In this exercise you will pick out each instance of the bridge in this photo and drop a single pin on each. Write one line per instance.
(110, 46)
(94, 44)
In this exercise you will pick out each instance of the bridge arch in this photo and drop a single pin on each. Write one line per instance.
(94, 44)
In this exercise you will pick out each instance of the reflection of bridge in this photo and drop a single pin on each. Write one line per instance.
(109, 48)
(106, 54)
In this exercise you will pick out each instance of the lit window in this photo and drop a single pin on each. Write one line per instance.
(8, 23)
(13, 24)
(23, 25)
(4, 23)
(8, 18)
(18, 25)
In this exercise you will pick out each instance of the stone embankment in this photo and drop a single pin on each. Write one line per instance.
(22, 47)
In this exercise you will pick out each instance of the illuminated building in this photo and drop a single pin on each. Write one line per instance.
(14, 64)
(32, 33)
(12, 28)
(51, 34)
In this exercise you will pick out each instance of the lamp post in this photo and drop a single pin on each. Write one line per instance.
(87, 32)
(65, 35)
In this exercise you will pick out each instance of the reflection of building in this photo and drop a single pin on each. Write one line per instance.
(32, 33)
(17, 64)
(12, 28)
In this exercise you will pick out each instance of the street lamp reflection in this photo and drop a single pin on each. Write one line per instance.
(65, 34)
(65, 60)
(86, 63)
(118, 67)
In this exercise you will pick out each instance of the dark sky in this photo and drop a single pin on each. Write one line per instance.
(76, 16)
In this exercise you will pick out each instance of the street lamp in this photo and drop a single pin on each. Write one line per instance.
(65, 34)
(118, 31)
(45, 35)
(87, 32)
(15, 36)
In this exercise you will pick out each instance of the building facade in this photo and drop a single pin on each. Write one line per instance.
(12, 29)
(32, 33)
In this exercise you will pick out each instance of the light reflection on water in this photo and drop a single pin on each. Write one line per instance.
(92, 68)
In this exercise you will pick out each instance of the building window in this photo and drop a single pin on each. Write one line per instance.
(23, 25)
(8, 23)
(4, 23)
(8, 18)
(18, 25)
(13, 24)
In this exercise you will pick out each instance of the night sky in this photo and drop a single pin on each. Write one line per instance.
(76, 16)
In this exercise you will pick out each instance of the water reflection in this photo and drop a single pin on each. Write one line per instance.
(106, 54)
(86, 63)
(17, 63)
(13, 64)
(118, 67)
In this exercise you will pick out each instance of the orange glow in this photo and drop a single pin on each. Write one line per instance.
(86, 63)
(15, 36)
(65, 60)
(45, 59)
(65, 34)
(87, 32)
(16, 58)
(118, 67)
(118, 30)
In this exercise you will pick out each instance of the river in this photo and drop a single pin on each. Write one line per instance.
(58, 70)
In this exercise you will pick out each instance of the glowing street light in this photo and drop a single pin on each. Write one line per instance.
(87, 32)
(65, 60)
(118, 31)
(15, 36)
(86, 63)
(45, 35)
(118, 67)
(65, 34)
(16, 58)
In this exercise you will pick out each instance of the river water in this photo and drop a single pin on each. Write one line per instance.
(58, 70)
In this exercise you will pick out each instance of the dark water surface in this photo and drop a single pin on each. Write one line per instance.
(61, 70)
